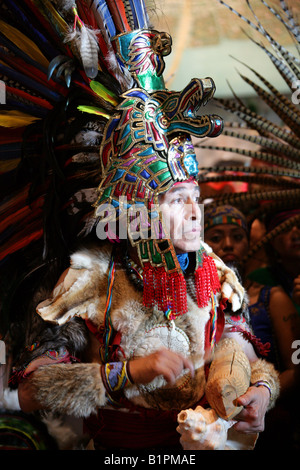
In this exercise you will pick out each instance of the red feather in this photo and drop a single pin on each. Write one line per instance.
(117, 10)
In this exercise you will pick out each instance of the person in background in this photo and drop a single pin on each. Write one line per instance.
(296, 290)
(283, 254)
(273, 317)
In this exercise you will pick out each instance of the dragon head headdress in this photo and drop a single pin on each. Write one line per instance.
(146, 148)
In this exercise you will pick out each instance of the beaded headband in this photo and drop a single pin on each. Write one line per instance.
(220, 215)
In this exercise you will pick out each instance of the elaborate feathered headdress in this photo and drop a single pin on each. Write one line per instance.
(80, 75)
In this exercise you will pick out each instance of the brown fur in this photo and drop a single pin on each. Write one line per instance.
(78, 388)
(73, 389)
(263, 370)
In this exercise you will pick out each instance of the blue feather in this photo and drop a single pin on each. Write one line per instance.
(10, 151)
(32, 110)
(105, 14)
(139, 14)
(29, 82)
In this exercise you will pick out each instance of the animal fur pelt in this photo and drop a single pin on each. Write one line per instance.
(82, 292)
(77, 389)
(73, 336)
(263, 370)
(73, 389)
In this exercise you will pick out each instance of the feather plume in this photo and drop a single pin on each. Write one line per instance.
(56, 60)
(85, 42)
(66, 5)
(272, 176)
(89, 51)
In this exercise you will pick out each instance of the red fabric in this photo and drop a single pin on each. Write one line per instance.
(114, 347)
(240, 325)
(95, 330)
(137, 429)
(261, 349)
(220, 327)
(49, 357)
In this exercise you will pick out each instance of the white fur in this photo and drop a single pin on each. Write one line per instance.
(10, 400)
(81, 259)
(207, 248)
(91, 259)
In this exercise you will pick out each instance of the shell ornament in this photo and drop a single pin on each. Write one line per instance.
(211, 428)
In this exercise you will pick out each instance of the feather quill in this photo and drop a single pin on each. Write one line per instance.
(89, 51)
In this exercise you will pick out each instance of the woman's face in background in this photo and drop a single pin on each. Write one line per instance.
(228, 241)
(287, 244)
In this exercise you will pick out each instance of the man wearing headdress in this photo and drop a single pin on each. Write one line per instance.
(134, 324)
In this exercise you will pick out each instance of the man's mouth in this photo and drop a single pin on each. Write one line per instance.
(229, 257)
(196, 228)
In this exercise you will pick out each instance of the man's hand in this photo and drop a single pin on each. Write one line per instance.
(252, 418)
(163, 362)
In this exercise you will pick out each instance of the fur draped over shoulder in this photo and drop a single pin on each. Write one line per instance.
(81, 290)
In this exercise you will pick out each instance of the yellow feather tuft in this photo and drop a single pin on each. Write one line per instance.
(94, 110)
(23, 43)
(9, 165)
(16, 119)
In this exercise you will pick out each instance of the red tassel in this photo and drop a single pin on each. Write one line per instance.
(207, 281)
(262, 349)
(168, 290)
(165, 290)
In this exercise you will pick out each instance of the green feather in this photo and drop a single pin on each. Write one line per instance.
(94, 110)
(104, 92)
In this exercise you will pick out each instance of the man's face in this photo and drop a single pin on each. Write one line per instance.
(182, 216)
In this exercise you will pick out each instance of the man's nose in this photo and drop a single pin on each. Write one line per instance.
(193, 210)
(227, 243)
(295, 228)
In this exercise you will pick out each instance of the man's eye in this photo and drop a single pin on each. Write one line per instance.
(178, 200)
(215, 239)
